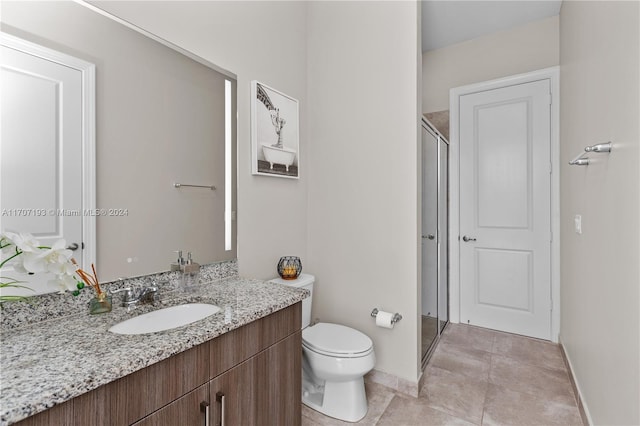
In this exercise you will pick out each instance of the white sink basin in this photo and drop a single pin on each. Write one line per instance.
(165, 319)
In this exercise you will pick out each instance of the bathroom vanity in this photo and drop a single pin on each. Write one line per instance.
(243, 363)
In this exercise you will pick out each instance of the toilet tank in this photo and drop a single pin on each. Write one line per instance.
(303, 281)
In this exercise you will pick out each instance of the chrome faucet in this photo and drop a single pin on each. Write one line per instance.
(131, 298)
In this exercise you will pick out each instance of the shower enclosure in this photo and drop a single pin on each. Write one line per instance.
(435, 263)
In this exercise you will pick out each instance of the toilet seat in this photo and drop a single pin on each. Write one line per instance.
(336, 340)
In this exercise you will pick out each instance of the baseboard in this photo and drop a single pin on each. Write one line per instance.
(396, 383)
(584, 411)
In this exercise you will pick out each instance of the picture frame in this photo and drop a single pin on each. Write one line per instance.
(275, 133)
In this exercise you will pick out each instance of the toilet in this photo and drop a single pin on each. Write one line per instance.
(335, 359)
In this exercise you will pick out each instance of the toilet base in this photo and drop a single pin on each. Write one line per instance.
(345, 401)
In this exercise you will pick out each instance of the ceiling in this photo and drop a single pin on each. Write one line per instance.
(448, 22)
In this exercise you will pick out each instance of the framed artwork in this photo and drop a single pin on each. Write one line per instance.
(274, 132)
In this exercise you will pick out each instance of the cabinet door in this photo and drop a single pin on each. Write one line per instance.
(279, 379)
(233, 396)
(184, 411)
(264, 390)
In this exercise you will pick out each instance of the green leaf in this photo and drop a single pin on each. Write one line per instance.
(12, 298)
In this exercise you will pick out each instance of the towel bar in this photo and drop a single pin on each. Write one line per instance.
(179, 185)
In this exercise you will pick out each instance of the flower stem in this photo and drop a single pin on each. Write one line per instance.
(11, 257)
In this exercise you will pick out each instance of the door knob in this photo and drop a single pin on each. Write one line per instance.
(430, 236)
(73, 247)
(467, 239)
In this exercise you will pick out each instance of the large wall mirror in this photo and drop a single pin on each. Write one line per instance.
(162, 117)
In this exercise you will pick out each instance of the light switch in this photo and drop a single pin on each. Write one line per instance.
(577, 221)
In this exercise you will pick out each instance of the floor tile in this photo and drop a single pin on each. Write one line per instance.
(462, 360)
(477, 376)
(407, 411)
(378, 398)
(382, 378)
(454, 394)
(530, 379)
(470, 337)
(508, 407)
(306, 421)
(529, 351)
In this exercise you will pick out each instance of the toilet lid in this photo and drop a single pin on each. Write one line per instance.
(336, 339)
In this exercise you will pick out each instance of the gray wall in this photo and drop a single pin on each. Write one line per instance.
(521, 49)
(600, 292)
(264, 41)
(363, 193)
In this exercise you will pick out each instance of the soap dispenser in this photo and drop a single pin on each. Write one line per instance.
(179, 264)
(191, 272)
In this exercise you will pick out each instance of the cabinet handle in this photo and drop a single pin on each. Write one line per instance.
(205, 408)
(220, 397)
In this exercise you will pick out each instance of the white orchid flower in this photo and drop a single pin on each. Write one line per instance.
(64, 283)
(8, 248)
(8, 237)
(44, 259)
(18, 266)
(25, 242)
(25, 254)
(62, 268)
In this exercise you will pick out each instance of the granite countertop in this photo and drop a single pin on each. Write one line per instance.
(50, 362)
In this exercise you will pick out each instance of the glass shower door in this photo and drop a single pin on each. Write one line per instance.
(430, 166)
(435, 237)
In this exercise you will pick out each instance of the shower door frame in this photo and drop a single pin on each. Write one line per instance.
(440, 139)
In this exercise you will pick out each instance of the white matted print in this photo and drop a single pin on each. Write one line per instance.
(274, 132)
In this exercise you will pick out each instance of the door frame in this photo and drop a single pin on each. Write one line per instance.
(87, 71)
(553, 75)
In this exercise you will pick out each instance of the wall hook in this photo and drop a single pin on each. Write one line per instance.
(581, 160)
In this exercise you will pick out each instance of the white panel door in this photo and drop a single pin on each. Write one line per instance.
(40, 154)
(505, 209)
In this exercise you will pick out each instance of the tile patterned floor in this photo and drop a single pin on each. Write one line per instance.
(477, 377)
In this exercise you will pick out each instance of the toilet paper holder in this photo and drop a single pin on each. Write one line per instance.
(396, 317)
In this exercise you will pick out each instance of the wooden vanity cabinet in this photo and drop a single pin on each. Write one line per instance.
(264, 390)
(256, 392)
(256, 368)
(186, 411)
